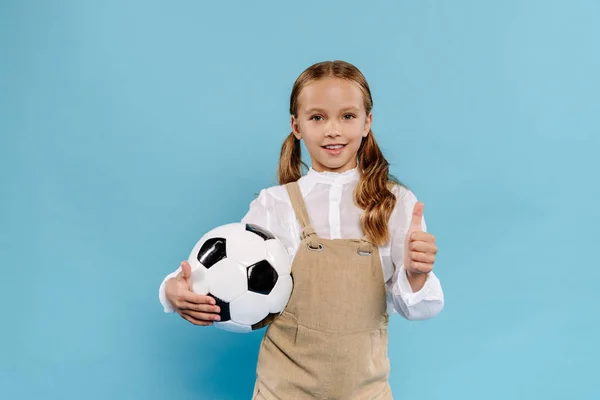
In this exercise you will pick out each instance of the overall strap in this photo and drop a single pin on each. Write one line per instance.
(302, 214)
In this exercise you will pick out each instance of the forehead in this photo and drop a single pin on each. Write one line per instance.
(331, 93)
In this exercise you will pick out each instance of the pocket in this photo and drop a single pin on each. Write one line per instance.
(284, 327)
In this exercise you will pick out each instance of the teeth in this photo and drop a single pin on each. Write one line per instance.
(339, 146)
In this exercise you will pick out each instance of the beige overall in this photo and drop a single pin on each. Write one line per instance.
(331, 340)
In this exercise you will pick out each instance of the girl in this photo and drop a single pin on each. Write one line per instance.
(358, 243)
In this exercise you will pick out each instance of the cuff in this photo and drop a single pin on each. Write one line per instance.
(162, 296)
(428, 291)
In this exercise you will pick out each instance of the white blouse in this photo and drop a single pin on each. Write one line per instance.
(334, 215)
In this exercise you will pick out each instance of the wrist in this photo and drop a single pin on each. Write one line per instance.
(169, 289)
(416, 280)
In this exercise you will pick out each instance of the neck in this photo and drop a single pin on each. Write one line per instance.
(321, 168)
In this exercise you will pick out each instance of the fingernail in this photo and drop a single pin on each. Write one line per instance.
(217, 318)
(217, 309)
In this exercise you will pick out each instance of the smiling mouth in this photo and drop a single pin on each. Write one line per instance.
(334, 146)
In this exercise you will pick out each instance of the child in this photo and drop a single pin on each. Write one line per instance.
(359, 247)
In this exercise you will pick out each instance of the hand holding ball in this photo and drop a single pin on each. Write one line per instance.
(195, 308)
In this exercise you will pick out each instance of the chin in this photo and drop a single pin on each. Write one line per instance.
(337, 166)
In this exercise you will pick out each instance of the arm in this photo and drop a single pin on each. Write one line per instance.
(415, 296)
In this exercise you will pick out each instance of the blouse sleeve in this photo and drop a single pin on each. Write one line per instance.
(257, 213)
(427, 302)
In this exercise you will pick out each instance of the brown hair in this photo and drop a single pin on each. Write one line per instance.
(373, 192)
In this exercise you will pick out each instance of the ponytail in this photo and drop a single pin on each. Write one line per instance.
(373, 192)
(290, 161)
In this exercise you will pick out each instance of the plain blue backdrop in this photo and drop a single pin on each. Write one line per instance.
(130, 128)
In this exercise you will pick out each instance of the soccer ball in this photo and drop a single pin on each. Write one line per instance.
(246, 270)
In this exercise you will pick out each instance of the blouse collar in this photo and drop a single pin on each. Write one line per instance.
(332, 177)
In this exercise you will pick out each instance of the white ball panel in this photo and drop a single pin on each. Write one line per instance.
(199, 280)
(280, 295)
(245, 247)
(233, 327)
(278, 257)
(227, 279)
(249, 308)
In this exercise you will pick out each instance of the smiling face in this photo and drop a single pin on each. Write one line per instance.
(332, 121)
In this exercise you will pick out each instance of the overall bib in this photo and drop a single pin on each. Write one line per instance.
(331, 340)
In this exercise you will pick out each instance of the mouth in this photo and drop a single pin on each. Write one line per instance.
(334, 148)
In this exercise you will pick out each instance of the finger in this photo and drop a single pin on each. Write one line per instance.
(202, 316)
(424, 247)
(422, 257)
(186, 299)
(417, 216)
(187, 296)
(208, 308)
(195, 321)
(186, 270)
(422, 236)
(420, 267)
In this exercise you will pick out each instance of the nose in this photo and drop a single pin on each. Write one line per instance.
(333, 130)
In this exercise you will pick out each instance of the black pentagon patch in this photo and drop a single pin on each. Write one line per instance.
(262, 277)
(260, 231)
(224, 306)
(266, 321)
(212, 251)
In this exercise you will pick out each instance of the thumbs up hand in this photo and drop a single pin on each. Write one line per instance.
(419, 250)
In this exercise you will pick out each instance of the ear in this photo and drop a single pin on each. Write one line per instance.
(368, 123)
(295, 127)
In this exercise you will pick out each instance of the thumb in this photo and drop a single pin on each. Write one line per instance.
(186, 270)
(417, 216)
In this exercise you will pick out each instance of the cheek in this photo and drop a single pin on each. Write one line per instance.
(312, 143)
(358, 127)
(356, 133)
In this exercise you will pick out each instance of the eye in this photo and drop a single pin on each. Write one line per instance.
(349, 116)
(316, 118)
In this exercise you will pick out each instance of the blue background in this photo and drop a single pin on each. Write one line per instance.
(130, 128)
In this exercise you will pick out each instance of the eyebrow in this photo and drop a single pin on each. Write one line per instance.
(317, 109)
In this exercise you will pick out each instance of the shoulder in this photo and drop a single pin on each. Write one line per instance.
(279, 193)
(269, 201)
(273, 194)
